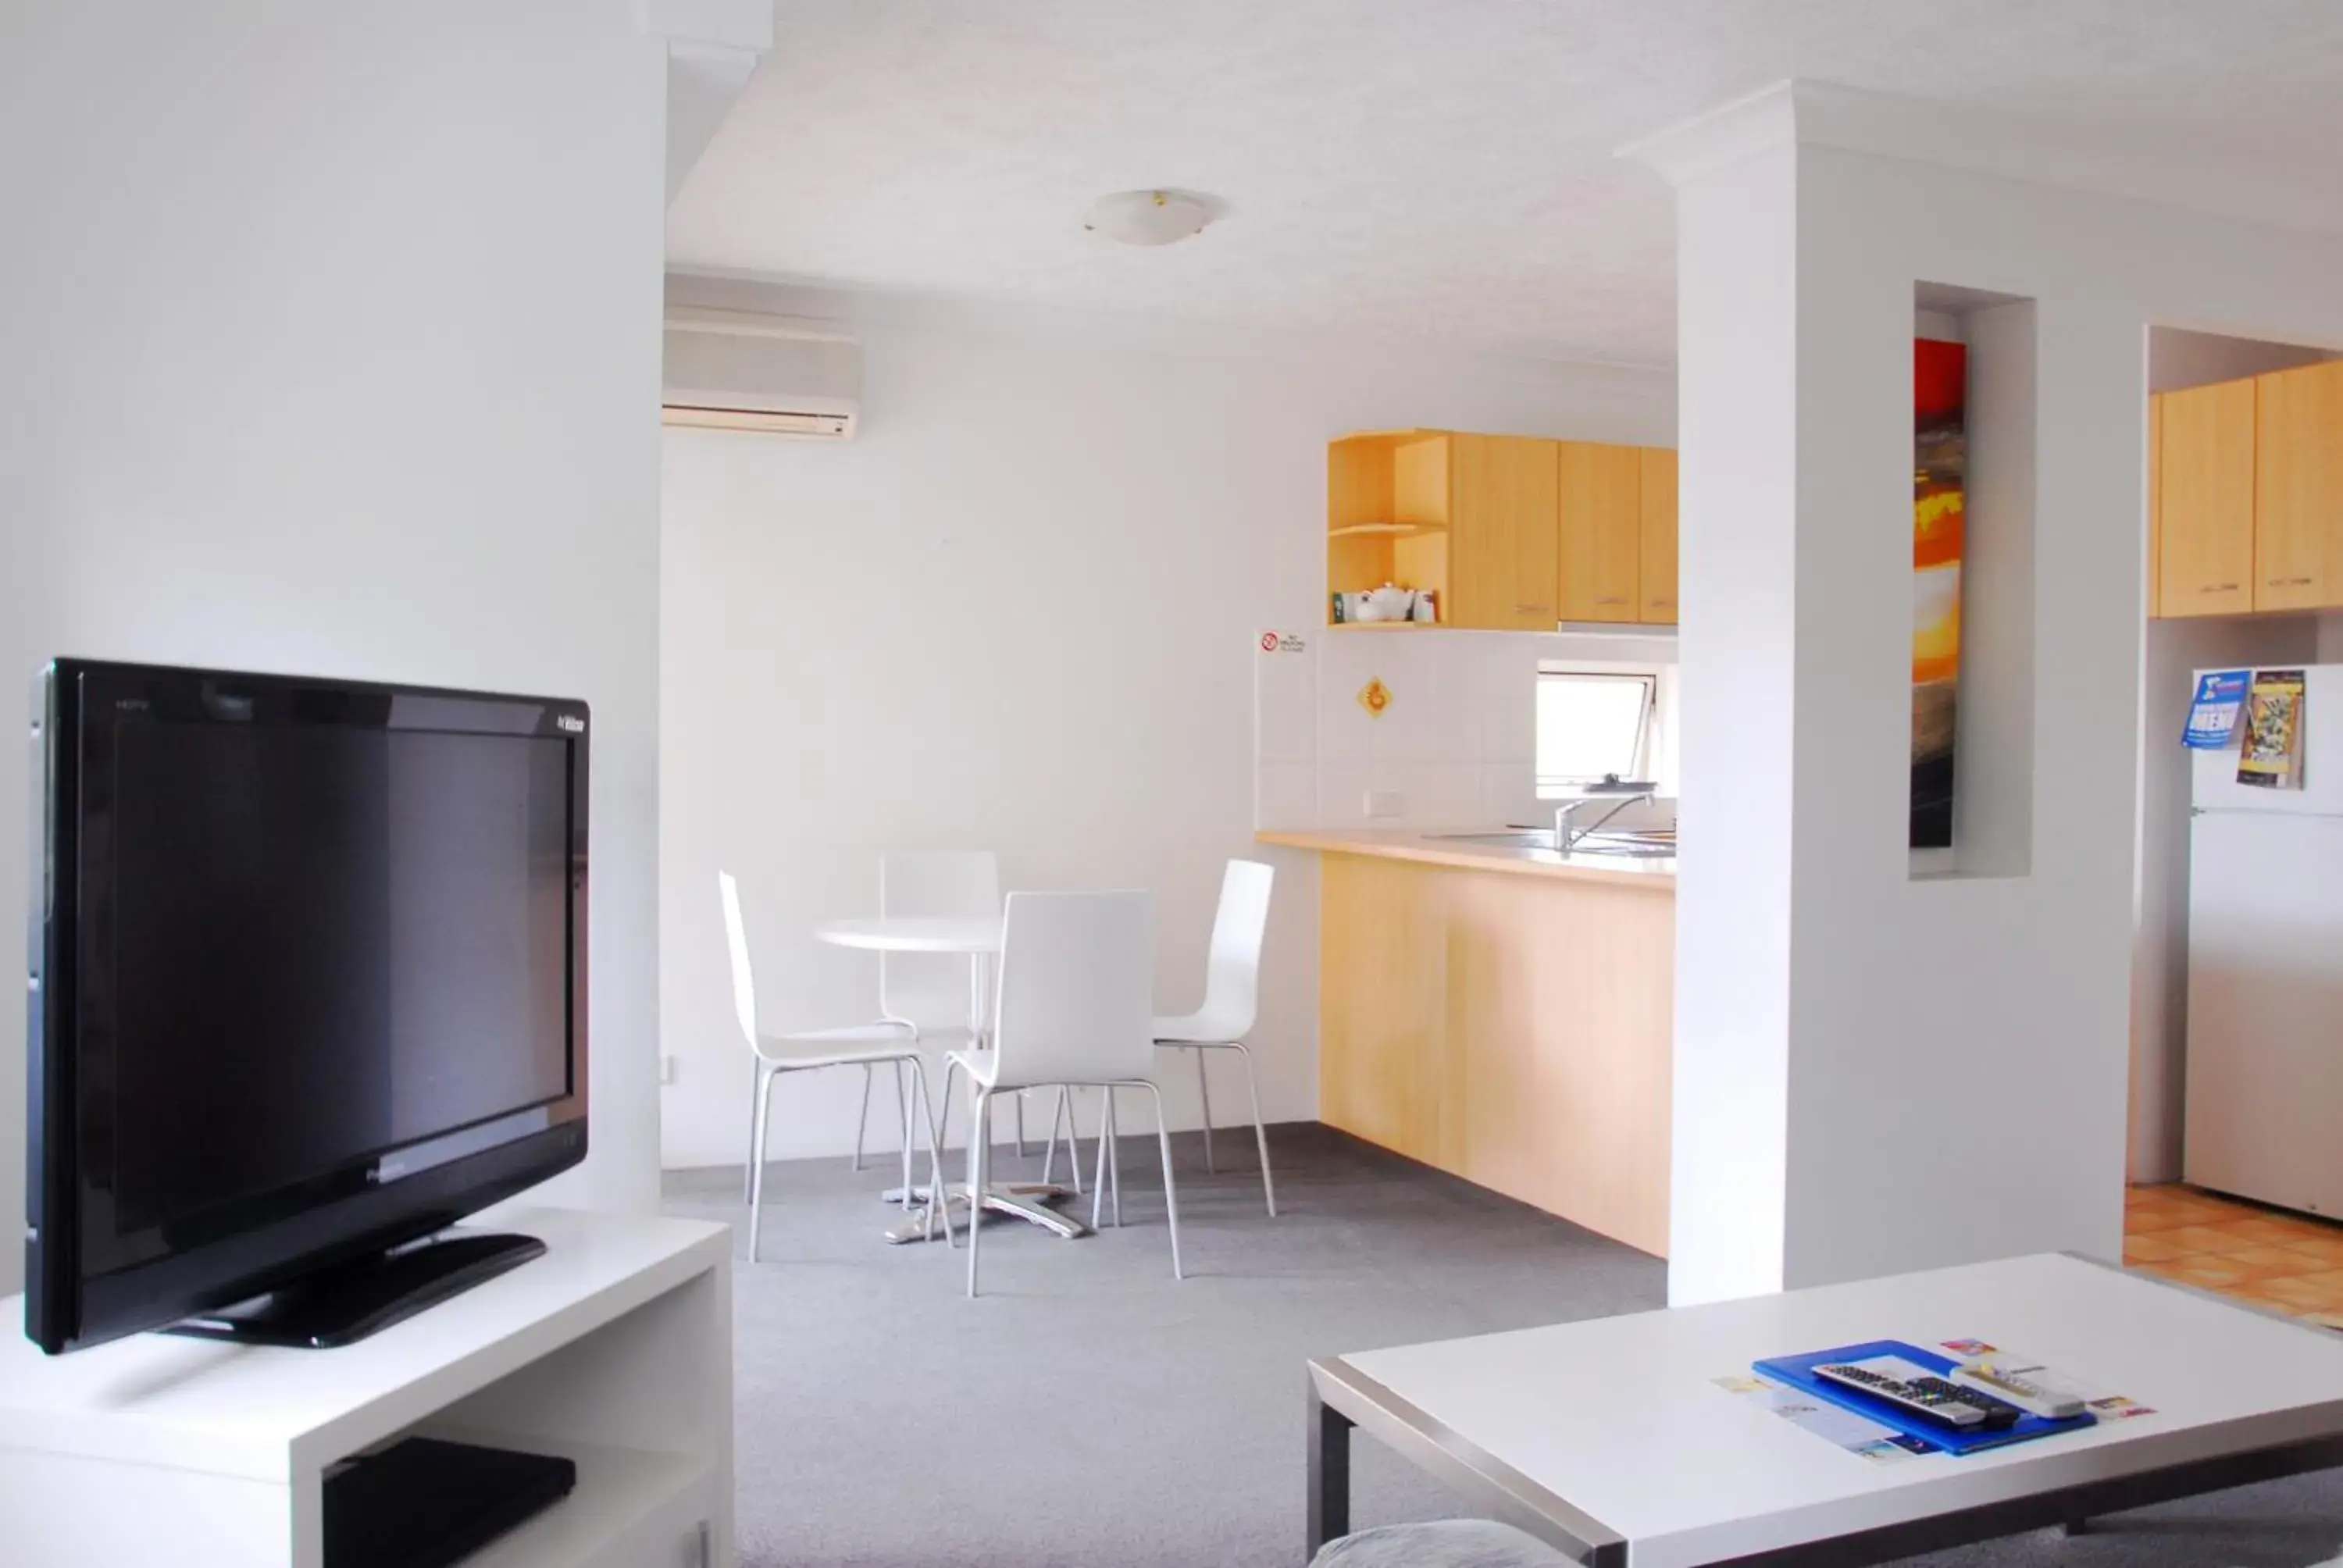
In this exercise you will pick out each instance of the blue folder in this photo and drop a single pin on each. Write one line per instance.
(1797, 1372)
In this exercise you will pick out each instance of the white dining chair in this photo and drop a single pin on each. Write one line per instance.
(931, 990)
(1231, 1001)
(1070, 1011)
(866, 1046)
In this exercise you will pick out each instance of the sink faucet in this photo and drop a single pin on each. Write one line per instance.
(1568, 833)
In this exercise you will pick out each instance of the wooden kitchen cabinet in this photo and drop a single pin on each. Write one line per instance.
(1501, 532)
(2206, 489)
(2297, 467)
(1469, 517)
(2156, 506)
(1655, 534)
(1511, 1029)
(1600, 549)
(1509, 533)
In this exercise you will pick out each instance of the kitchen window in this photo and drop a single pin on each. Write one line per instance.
(1594, 722)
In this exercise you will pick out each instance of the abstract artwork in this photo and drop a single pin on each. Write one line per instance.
(1940, 462)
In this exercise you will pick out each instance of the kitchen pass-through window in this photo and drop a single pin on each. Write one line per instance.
(1594, 723)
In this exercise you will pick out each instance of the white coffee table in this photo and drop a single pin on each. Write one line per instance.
(1609, 1438)
(978, 939)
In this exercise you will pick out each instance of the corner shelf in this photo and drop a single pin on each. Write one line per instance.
(1390, 530)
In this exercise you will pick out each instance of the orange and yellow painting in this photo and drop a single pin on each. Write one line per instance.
(1940, 468)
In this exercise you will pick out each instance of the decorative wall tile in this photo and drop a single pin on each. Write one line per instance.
(1408, 731)
(1345, 732)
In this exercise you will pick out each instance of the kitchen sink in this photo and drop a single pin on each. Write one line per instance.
(1633, 845)
(1523, 838)
(1629, 846)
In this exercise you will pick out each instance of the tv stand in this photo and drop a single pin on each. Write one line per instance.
(612, 1351)
(344, 1303)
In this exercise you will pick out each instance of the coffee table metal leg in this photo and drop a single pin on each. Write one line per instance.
(1330, 1475)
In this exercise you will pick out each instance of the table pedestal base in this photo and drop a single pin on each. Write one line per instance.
(1026, 1200)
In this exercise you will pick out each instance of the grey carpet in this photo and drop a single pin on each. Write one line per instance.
(1089, 1411)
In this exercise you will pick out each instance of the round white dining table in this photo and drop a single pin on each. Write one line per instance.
(916, 934)
(978, 939)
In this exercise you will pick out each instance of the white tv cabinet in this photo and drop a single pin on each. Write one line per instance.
(614, 1349)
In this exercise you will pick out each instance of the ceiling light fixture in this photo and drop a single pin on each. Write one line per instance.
(1149, 217)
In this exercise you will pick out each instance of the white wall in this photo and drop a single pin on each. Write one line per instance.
(331, 345)
(1868, 998)
(1019, 611)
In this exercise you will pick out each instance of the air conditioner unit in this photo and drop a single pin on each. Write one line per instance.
(738, 370)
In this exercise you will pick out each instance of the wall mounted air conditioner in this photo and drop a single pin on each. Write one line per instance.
(738, 370)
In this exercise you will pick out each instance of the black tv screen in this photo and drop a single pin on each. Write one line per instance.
(311, 979)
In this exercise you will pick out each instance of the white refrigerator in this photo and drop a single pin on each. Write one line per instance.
(2265, 1091)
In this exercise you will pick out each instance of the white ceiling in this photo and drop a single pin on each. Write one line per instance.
(1443, 167)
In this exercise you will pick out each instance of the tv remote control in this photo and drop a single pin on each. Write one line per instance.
(1929, 1397)
(2051, 1405)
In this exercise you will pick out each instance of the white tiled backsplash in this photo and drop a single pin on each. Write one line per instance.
(1455, 748)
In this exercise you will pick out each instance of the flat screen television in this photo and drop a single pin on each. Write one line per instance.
(308, 986)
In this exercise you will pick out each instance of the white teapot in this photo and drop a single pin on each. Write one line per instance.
(1388, 602)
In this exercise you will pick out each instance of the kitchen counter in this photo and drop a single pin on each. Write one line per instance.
(1430, 849)
(1505, 1015)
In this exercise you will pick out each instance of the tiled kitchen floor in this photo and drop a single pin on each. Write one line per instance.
(2291, 1262)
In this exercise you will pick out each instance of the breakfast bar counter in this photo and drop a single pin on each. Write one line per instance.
(1449, 850)
(1504, 1015)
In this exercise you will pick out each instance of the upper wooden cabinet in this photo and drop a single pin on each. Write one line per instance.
(1600, 491)
(1657, 532)
(2206, 490)
(1501, 532)
(2155, 505)
(1510, 533)
(2298, 459)
(1469, 517)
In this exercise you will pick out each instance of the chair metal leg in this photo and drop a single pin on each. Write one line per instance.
(903, 1114)
(1260, 1133)
(1114, 1159)
(1021, 1125)
(1204, 1095)
(757, 1158)
(749, 1171)
(936, 1196)
(862, 1120)
(1050, 1146)
(980, 1137)
(1061, 1113)
(1098, 1181)
(1170, 1194)
(943, 1131)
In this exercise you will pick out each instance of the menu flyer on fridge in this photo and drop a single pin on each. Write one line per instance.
(2271, 754)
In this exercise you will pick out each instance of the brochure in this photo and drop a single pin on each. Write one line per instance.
(1849, 1429)
(1843, 1429)
(2213, 716)
(2007, 1363)
(2271, 756)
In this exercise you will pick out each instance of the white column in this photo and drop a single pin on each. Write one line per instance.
(1878, 1069)
(1737, 592)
